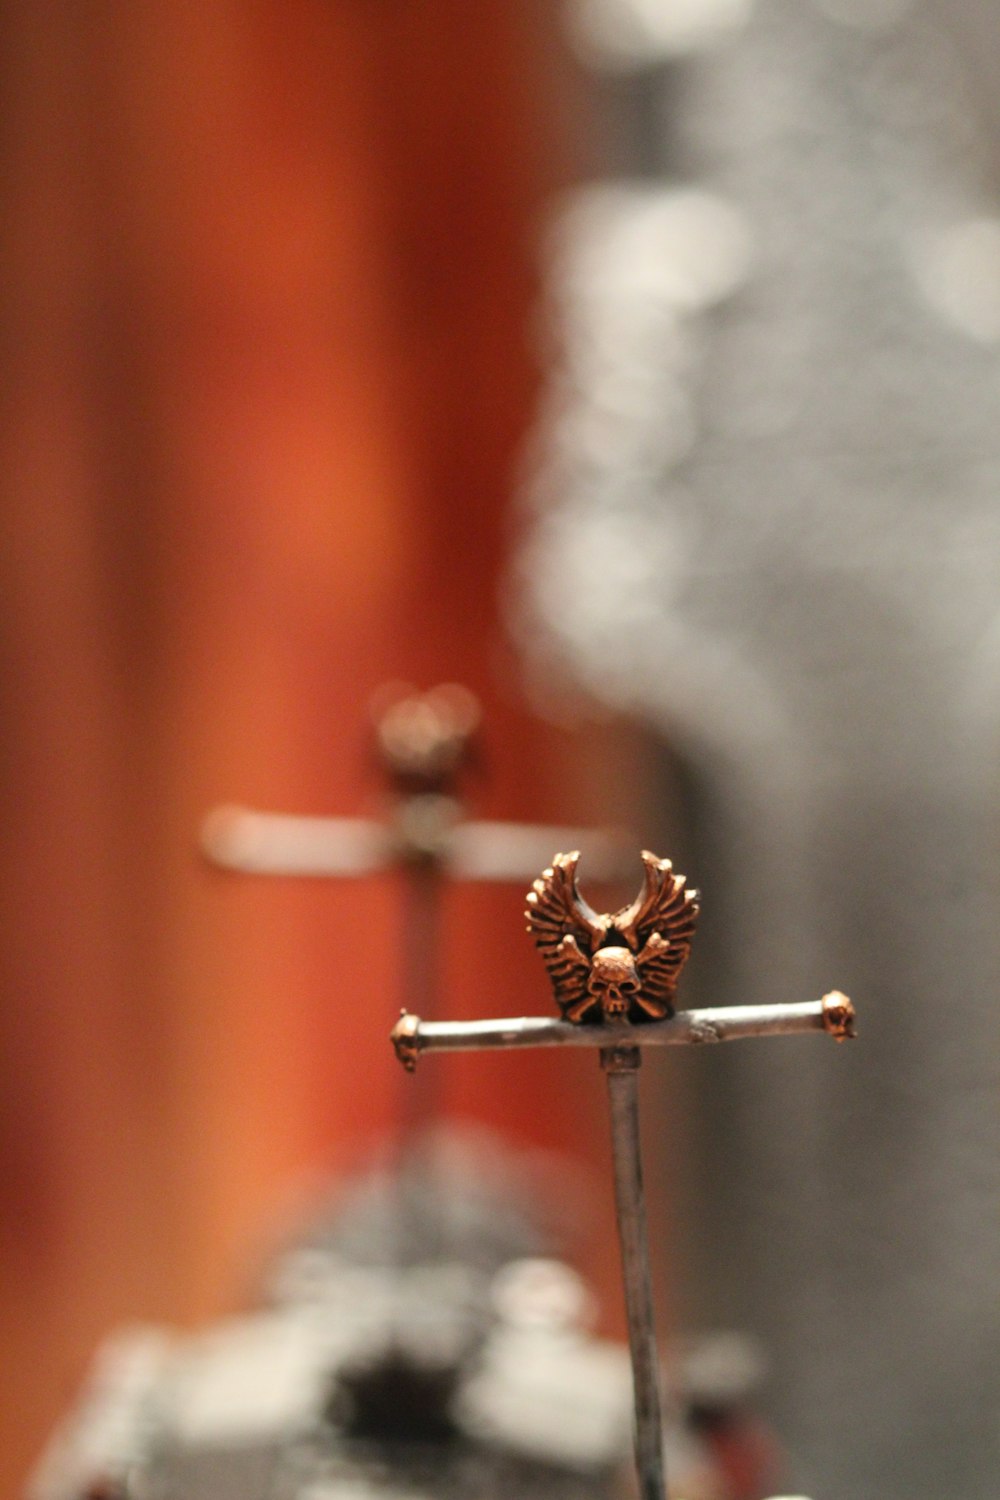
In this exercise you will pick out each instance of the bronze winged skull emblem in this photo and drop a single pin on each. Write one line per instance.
(618, 967)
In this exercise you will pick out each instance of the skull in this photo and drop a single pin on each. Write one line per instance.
(614, 981)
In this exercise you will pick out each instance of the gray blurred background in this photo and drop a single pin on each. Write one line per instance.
(764, 520)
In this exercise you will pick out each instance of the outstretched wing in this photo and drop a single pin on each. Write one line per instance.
(658, 927)
(565, 929)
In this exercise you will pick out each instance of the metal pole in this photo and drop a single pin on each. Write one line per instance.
(621, 1066)
(423, 892)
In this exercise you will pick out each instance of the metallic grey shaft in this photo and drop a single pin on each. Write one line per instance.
(621, 1064)
(833, 1014)
(423, 896)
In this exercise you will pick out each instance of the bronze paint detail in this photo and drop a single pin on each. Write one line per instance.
(839, 1016)
(616, 967)
(406, 1040)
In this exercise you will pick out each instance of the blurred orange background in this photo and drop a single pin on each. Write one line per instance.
(268, 280)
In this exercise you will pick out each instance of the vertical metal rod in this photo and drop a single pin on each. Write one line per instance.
(621, 1065)
(416, 1109)
(423, 888)
(423, 892)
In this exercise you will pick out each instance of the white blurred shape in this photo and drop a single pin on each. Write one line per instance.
(626, 34)
(959, 273)
(609, 571)
(653, 248)
(537, 1293)
(564, 1399)
(253, 1378)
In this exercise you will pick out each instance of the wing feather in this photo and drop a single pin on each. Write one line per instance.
(659, 926)
(565, 929)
